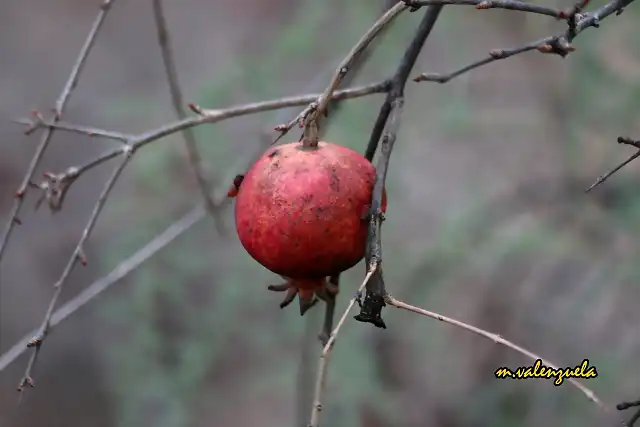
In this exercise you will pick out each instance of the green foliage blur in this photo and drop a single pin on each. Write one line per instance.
(179, 339)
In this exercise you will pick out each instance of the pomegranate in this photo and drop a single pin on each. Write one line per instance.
(301, 213)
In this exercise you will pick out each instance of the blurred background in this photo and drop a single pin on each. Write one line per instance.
(487, 221)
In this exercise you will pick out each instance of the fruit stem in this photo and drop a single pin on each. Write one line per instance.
(311, 131)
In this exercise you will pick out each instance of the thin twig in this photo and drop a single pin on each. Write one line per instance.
(77, 256)
(176, 229)
(214, 116)
(326, 352)
(39, 122)
(515, 5)
(559, 44)
(164, 40)
(498, 340)
(58, 110)
(621, 140)
(118, 273)
(311, 125)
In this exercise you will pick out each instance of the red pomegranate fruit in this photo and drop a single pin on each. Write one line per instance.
(301, 213)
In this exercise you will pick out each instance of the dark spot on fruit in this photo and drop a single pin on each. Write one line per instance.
(274, 153)
(335, 181)
(326, 230)
(306, 199)
(297, 244)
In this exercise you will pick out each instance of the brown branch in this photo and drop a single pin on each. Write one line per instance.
(35, 338)
(78, 255)
(311, 124)
(515, 5)
(356, 66)
(209, 117)
(326, 352)
(164, 40)
(621, 140)
(58, 110)
(388, 121)
(559, 44)
(498, 340)
(118, 273)
(40, 122)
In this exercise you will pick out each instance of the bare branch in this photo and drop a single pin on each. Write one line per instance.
(96, 288)
(60, 105)
(164, 40)
(125, 267)
(334, 281)
(559, 44)
(39, 122)
(390, 110)
(326, 352)
(628, 405)
(621, 140)
(214, 116)
(498, 340)
(78, 255)
(311, 125)
(492, 4)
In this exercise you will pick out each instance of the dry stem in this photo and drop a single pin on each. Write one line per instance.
(58, 110)
(311, 126)
(78, 255)
(496, 339)
(559, 44)
(164, 40)
(326, 352)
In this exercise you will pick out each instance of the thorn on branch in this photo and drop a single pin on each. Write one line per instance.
(628, 141)
(621, 140)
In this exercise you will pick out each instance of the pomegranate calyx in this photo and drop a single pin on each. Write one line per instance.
(309, 292)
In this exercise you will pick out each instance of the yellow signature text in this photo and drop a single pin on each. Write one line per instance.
(539, 370)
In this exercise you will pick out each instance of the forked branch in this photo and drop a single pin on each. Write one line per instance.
(311, 123)
(559, 44)
(164, 40)
(58, 110)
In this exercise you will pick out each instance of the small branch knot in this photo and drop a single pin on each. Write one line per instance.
(412, 5)
(55, 188)
(371, 310)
